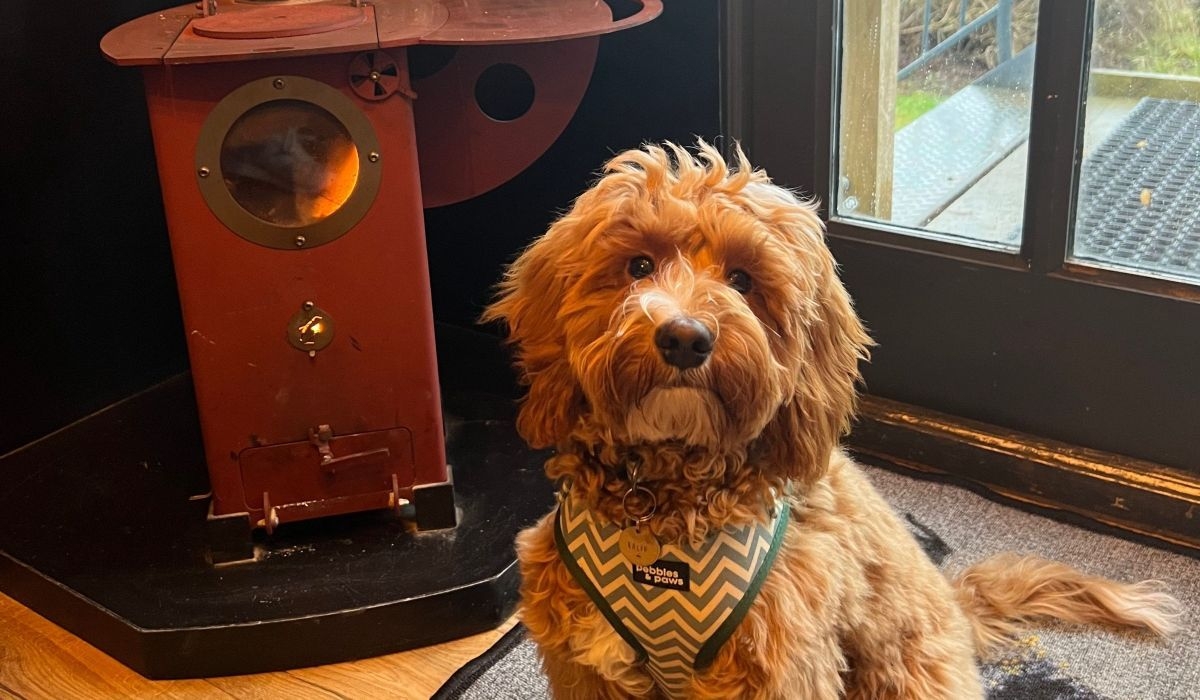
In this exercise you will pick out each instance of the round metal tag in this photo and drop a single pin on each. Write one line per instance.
(639, 546)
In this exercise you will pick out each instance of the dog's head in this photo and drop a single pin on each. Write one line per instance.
(683, 301)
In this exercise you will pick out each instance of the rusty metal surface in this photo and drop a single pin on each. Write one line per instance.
(297, 473)
(182, 35)
(523, 21)
(146, 40)
(464, 152)
(379, 373)
(404, 22)
(272, 22)
(253, 389)
(191, 47)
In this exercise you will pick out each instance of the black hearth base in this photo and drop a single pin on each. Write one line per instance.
(104, 535)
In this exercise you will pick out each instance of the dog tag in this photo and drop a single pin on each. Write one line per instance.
(639, 546)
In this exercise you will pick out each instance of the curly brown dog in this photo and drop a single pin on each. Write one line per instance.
(692, 358)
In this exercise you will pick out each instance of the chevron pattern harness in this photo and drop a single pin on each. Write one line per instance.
(677, 612)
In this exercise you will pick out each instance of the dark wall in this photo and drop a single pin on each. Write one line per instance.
(88, 293)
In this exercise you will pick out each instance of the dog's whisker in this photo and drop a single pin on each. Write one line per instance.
(644, 302)
(713, 324)
(618, 315)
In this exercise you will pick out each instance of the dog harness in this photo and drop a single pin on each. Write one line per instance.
(677, 612)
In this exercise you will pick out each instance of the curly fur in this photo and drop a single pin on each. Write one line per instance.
(852, 608)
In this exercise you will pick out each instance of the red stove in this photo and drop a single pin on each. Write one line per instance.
(287, 137)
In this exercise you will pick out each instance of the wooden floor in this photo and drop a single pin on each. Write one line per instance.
(40, 660)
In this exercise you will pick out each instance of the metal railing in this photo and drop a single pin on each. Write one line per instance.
(1000, 13)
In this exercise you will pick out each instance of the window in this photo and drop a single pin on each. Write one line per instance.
(1139, 186)
(1011, 189)
(934, 116)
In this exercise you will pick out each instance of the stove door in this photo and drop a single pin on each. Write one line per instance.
(327, 475)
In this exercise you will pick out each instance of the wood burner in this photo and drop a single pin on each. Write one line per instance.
(287, 136)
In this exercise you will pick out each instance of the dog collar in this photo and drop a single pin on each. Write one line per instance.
(679, 611)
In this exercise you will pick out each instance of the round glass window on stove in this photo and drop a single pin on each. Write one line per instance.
(290, 163)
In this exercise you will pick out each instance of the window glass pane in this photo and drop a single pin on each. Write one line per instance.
(934, 116)
(1139, 190)
(289, 162)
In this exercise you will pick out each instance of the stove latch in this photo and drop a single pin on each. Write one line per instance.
(310, 329)
(320, 437)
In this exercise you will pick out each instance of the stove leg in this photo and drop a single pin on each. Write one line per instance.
(434, 506)
(228, 538)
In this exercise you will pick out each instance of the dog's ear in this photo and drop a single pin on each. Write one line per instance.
(529, 301)
(808, 426)
(828, 341)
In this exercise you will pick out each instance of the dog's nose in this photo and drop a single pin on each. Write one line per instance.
(684, 342)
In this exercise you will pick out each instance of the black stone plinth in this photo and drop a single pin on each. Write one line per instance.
(103, 534)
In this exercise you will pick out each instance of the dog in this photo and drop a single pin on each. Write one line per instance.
(692, 358)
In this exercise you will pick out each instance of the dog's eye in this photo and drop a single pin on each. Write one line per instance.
(640, 267)
(739, 280)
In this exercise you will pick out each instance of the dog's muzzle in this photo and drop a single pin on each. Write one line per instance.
(684, 342)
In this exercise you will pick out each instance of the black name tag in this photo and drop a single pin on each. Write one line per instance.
(663, 574)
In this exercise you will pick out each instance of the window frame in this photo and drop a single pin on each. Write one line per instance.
(779, 86)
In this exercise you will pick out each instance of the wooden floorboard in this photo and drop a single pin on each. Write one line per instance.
(39, 660)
